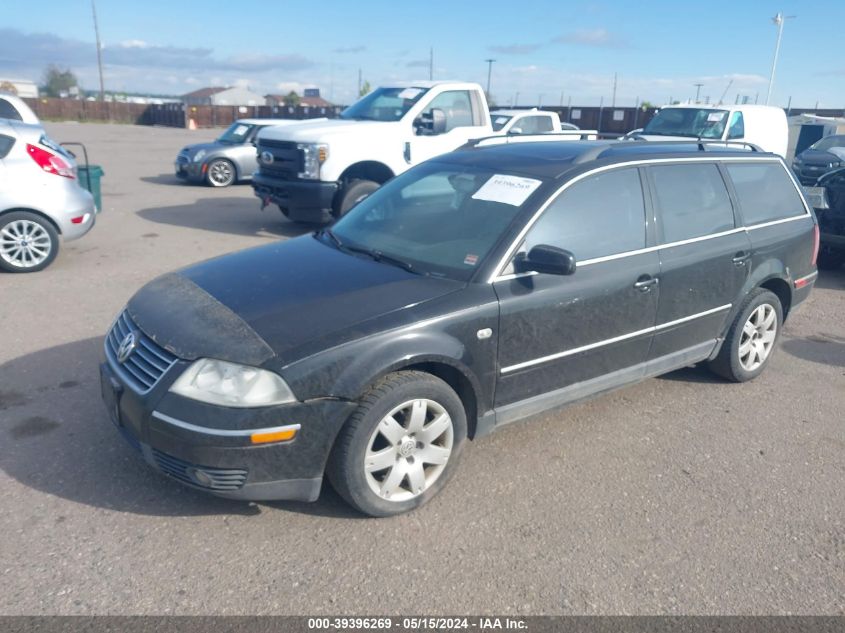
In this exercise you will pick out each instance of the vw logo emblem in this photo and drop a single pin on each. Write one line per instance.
(127, 346)
(267, 157)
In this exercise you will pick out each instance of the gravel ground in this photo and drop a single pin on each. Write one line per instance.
(681, 495)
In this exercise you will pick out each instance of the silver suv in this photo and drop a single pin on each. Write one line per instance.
(41, 200)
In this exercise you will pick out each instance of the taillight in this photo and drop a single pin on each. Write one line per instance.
(50, 162)
(815, 244)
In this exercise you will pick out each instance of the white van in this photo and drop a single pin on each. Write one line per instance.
(764, 126)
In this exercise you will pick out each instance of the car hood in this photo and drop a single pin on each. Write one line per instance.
(208, 147)
(822, 157)
(266, 302)
(314, 131)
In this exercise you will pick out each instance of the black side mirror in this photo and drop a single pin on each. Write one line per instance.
(546, 259)
(438, 121)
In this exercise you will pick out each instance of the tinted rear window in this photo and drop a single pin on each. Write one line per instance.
(765, 192)
(692, 201)
(8, 111)
(6, 143)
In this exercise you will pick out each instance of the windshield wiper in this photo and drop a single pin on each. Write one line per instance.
(331, 234)
(378, 256)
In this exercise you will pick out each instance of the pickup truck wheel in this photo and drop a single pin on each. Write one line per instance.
(351, 194)
(400, 446)
(28, 242)
(751, 338)
(830, 259)
(220, 173)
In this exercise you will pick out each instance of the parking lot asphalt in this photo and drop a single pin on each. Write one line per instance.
(681, 495)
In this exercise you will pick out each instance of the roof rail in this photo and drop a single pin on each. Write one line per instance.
(504, 139)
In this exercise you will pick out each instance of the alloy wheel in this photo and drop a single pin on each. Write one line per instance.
(24, 244)
(758, 337)
(221, 173)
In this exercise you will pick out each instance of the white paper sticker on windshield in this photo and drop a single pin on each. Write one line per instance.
(240, 130)
(501, 120)
(511, 190)
(409, 93)
(715, 116)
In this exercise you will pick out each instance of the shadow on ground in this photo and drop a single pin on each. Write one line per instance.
(826, 349)
(167, 179)
(231, 215)
(56, 437)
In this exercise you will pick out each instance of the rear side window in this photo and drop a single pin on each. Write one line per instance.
(765, 192)
(692, 201)
(8, 111)
(598, 216)
(534, 124)
(6, 143)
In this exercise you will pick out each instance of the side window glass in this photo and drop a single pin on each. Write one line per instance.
(736, 129)
(6, 143)
(534, 124)
(601, 215)
(8, 111)
(765, 192)
(457, 107)
(692, 201)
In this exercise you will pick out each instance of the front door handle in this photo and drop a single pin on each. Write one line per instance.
(740, 258)
(645, 283)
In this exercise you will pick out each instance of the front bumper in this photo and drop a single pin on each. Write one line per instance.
(302, 200)
(208, 447)
(189, 170)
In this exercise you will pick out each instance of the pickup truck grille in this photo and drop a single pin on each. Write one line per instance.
(287, 159)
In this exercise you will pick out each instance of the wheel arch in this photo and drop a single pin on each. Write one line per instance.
(41, 214)
(781, 289)
(373, 170)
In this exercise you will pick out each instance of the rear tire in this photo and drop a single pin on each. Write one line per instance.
(351, 194)
(401, 445)
(28, 242)
(751, 339)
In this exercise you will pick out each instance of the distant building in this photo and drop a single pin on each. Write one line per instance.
(23, 88)
(223, 97)
(310, 98)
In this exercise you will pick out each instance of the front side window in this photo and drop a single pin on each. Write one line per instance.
(236, 134)
(441, 219)
(694, 122)
(499, 121)
(691, 200)
(737, 127)
(765, 192)
(601, 215)
(456, 105)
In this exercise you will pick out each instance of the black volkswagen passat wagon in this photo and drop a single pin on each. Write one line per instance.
(476, 289)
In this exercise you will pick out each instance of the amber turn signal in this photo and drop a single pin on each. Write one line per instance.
(273, 436)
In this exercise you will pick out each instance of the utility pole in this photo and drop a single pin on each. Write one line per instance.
(516, 98)
(359, 83)
(613, 98)
(697, 91)
(431, 64)
(99, 50)
(778, 20)
(489, 74)
(539, 100)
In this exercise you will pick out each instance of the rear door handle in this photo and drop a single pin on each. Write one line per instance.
(644, 283)
(740, 258)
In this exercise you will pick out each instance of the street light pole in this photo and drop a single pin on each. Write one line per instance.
(778, 20)
(489, 74)
(99, 50)
(697, 91)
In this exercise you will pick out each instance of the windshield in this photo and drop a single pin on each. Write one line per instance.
(695, 122)
(500, 121)
(829, 142)
(383, 104)
(436, 219)
(236, 134)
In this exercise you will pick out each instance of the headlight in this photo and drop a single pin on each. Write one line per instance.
(313, 155)
(232, 385)
(199, 156)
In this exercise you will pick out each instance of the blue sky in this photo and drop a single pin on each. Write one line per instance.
(659, 49)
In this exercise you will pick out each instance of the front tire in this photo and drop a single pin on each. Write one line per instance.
(751, 339)
(220, 173)
(401, 445)
(351, 194)
(28, 242)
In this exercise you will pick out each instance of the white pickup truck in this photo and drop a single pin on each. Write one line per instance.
(318, 169)
(531, 121)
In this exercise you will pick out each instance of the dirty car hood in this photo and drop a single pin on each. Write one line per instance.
(263, 302)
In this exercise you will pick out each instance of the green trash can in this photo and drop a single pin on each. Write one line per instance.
(89, 178)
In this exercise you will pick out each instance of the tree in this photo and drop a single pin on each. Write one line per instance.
(365, 88)
(58, 82)
(9, 87)
(647, 105)
(292, 99)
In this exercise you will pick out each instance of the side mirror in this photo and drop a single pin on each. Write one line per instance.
(546, 259)
(438, 121)
(515, 131)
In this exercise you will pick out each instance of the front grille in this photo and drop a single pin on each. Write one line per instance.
(182, 159)
(147, 363)
(287, 159)
(200, 476)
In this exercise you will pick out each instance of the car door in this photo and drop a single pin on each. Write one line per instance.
(558, 331)
(464, 121)
(705, 255)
